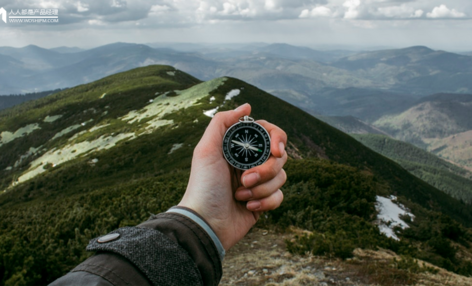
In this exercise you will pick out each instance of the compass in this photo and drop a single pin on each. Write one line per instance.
(246, 144)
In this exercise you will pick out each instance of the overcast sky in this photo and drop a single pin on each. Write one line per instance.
(439, 24)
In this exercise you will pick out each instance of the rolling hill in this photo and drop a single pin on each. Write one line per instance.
(7, 101)
(445, 176)
(350, 124)
(102, 155)
(418, 70)
(282, 50)
(440, 123)
(368, 79)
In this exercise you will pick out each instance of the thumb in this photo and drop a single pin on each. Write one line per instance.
(221, 122)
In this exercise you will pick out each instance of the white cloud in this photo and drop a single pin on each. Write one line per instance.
(402, 11)
(82, 7)
(50, 4)
(270, 5)
(443, 12)
(118, 3)
(418, 13)
(96, 22)
(158, 9)
(352, 6)
(229, 9)
(320, 11)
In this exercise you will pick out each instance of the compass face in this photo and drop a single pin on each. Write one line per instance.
(246, 145)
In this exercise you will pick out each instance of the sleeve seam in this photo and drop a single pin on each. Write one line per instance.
(185, 220)
(100, 266)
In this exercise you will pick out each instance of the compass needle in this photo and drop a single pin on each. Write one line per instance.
(246, 144)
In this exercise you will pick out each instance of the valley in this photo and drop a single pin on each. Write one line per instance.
(98, 156)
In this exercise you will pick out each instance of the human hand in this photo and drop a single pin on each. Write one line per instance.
(232, 209)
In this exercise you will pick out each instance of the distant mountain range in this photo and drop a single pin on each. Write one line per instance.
(443, 175)
(440, 123)
(350, 124)
(86, 160)
(416, 70)
(387, 91)
(12, 100)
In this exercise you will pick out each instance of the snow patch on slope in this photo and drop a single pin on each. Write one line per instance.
(153, 115)
(7, 136)
(53, 118)
(70, 129)
(98, 127)
(232, 93)
(175, 147)
(70, 152)
(67, 130)
(211, 112)
(389, 215)
(164, 104)
(30, 152)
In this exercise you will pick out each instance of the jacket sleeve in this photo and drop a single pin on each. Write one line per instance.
(173, 248)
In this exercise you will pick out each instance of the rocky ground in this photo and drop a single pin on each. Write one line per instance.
(261, 259)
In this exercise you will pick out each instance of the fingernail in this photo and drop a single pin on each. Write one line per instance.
(241, 106)
(251, 179)
(281, 148)
(253, 205)
(244, 195)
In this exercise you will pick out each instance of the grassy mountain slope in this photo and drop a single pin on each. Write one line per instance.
(443, 175)
(37, 58)
(418, 70)
(294, 52)
(350, 124)
(456, 148)
(435, 123)
(66, 50)
(373, 82)
(92, 158)
(7, 101)
(367, 104)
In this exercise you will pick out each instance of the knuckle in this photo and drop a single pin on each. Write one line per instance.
(273, 171)
(279, 197)
(284, 175)
(219, 116)
(201, 150)
(285, 158)
(197, 149)
(281, 194)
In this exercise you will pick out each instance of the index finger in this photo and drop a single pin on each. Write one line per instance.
(278, 138)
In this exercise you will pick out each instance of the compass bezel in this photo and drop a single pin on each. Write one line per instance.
(227, 145)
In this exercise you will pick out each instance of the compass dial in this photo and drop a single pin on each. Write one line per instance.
(246, 145)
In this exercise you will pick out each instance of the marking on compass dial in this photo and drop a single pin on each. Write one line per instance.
(246, 145)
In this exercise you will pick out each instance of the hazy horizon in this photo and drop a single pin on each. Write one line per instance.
(319, 24)
(238, 45)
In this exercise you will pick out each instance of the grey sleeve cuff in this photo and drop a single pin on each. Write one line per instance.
(203, 224)
(161, 260)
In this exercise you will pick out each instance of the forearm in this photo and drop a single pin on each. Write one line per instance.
(168, 249)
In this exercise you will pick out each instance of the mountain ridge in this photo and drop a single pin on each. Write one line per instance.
(104, 152)
(435, 122)
(445, 176)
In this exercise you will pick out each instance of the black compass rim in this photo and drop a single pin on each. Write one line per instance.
(230, 132)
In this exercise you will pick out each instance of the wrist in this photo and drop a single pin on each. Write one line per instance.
(198, 219)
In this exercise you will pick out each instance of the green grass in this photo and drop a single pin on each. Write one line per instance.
(46, 222)
(443, 175)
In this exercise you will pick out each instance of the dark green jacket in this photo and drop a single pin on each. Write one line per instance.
(168, 249)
